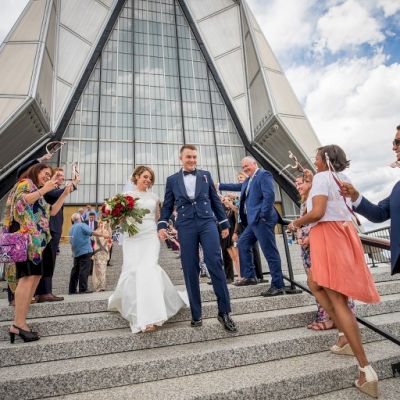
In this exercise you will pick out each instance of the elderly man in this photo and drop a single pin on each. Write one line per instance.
(388, 208)
(257, 211)
(80, 234)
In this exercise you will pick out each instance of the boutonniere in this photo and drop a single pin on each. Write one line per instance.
(205, 178)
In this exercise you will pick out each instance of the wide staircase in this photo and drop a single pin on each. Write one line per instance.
(86, 352)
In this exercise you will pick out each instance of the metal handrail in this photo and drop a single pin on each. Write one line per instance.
(365, 239)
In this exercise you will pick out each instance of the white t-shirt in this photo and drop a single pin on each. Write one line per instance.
(324, 185)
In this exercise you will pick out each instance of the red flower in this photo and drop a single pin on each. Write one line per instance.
(130, 201)
(104, 210)
(116, 212)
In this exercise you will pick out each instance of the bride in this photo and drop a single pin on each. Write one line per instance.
(145, 296)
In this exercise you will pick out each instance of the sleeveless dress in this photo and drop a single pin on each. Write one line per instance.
(144, 294)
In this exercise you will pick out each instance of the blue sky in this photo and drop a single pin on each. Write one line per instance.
(342, 58)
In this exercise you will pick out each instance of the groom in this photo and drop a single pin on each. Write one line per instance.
(198, 206)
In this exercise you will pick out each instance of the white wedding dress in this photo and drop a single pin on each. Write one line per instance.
(144, 294)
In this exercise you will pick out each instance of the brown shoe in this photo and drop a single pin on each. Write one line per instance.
(49, 297)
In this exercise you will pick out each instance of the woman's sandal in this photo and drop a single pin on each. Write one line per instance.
(345, 350)
(321, 326)
(370, 386)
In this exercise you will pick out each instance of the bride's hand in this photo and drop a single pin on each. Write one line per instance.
(162, 234)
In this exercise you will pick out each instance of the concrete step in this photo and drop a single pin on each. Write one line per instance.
(63, 325)
(389, 390)
(97, 302)
(122, 340)
(289, 378)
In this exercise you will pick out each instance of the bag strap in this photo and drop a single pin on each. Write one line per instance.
(344, 198)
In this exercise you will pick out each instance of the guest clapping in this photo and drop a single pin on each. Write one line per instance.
(28, 212)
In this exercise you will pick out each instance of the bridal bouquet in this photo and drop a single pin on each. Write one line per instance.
(122, 212)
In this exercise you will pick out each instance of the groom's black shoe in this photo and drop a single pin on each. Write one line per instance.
(196, 323)
(227, 322)
(246, 282)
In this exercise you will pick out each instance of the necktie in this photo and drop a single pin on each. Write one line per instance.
(189, 173)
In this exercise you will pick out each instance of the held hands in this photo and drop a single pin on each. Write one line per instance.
(162, 234)
(224, 233)
(51, 184)
(348, 190)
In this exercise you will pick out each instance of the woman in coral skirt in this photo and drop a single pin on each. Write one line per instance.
(338, 269)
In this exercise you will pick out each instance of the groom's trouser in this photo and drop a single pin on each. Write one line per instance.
(191, 233)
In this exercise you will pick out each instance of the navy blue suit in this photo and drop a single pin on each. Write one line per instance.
(196, 224)
(387, 208)
(258, 212)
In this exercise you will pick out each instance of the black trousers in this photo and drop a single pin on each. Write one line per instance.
(80, 273)
(228, 264)
(45, 285)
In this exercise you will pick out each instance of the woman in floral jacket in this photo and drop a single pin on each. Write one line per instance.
(28, 212)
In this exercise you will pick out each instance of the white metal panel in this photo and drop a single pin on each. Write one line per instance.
(83, 17)
(242, 109)
(282, 94)
(108, 3)
(62, 92)
(16, 66)
(232, 71)
(222, 31)
(30, 24)
(200, 9)
(260, 105)
(302, 131)
(45, 85)
(253, 65)
(267, 56)
(51, 35)
(8, 107)
(72, 53)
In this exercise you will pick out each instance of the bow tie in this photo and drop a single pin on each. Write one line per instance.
(189, 173)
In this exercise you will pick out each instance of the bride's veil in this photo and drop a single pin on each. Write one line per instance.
(129, 187)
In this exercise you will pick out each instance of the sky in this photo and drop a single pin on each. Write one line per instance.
(342, 58)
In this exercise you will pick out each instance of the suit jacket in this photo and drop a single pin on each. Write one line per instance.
(259, 203)
(96, 224)
(385, 209)
(205, 205)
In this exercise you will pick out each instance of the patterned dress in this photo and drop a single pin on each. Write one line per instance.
(28, 218)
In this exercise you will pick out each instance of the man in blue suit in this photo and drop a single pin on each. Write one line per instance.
(199, 210)
(257, 211)
(388, 208)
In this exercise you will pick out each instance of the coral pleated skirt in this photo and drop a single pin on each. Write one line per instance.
(337, 261)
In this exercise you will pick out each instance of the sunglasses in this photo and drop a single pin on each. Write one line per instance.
(396, 142)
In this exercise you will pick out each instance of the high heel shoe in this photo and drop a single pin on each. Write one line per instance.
(370, 386)
(26, 336)
(345, 350)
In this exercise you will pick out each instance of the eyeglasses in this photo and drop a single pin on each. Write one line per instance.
(396, 142)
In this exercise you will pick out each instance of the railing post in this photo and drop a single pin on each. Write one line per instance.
(371, 256)
(292, 289)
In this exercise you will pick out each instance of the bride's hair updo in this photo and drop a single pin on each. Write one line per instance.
(139, 171)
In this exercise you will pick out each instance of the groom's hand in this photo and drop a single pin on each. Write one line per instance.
(162, 234)
(224, 233)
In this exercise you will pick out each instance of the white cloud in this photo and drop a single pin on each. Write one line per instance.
(347, 25)
(390, 7)
(285, 30)
(10, 11)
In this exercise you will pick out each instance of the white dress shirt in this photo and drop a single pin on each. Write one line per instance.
(190, 185)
